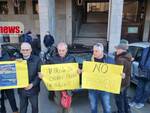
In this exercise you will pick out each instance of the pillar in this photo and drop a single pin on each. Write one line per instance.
(114, 24)
(147, 23)
(47, 19)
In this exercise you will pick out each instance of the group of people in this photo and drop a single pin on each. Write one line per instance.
(31, 92)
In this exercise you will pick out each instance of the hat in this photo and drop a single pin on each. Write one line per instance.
(123, 45)
(99, 46)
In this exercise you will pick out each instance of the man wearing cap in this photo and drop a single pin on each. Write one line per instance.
(99, 56)
(122, 57)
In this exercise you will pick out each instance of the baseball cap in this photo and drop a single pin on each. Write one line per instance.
(123, 45)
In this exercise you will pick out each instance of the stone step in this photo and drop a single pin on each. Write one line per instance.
(93, 30)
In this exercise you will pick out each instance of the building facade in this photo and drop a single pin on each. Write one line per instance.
(81, 21)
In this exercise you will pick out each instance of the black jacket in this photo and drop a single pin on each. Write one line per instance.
(58, 60)
(34, 66)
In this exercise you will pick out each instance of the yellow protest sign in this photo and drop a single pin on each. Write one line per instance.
(102, 76)
(60, 76)
(13, 74)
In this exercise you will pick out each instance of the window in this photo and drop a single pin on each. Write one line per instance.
(98, 7)
(35, 6)
(3, 7)
(130, 11)
(19, 6)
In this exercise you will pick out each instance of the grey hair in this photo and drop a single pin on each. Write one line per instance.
(62, 44)
(26, 44)
(99, 46)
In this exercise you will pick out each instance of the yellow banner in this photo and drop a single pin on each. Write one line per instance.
(61, 76)
(13, 74)
(102, 76)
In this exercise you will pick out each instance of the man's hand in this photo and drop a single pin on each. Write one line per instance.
(79, 71)
(29, 87)
(40, 75)
(123, 75)
(19, 60)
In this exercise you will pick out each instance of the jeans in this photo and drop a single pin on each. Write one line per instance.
(24, 103)
(11, 98)
(105, 101)
(122, 101)
(142, 91)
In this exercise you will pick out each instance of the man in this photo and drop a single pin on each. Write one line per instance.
(122, 57)
(48, 40)
(32, 90)
(8, 92)
(62, 57)
(98, 56)
(142, 92)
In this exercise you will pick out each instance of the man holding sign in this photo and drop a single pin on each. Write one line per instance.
(61, 58)
(98, 56)
(32, 90)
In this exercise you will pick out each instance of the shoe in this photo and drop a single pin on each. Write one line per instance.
(139, 105)
(132, 104)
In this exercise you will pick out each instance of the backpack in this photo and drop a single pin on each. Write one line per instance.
(65, 100)
(48, 41)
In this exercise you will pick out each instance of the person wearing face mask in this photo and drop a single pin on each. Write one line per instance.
(8, 92)
(31, 92)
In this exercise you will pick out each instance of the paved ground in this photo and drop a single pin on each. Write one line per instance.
(80, 104)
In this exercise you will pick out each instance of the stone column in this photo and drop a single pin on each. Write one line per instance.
(147, 22)
(114, 24)
(46, 18)
(69, 21)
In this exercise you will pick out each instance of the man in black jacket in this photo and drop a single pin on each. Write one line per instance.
(32, 90)
(62, 57)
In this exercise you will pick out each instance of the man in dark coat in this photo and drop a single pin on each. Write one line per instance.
(62, 57)
(122, 57)
(30, 92)
(142, 92)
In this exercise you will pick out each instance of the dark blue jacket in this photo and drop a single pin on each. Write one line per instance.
(34, 66)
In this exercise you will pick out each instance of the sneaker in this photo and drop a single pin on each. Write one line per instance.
(139, 105)
(132, 104)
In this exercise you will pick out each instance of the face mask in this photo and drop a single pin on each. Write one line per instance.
(26, 57)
